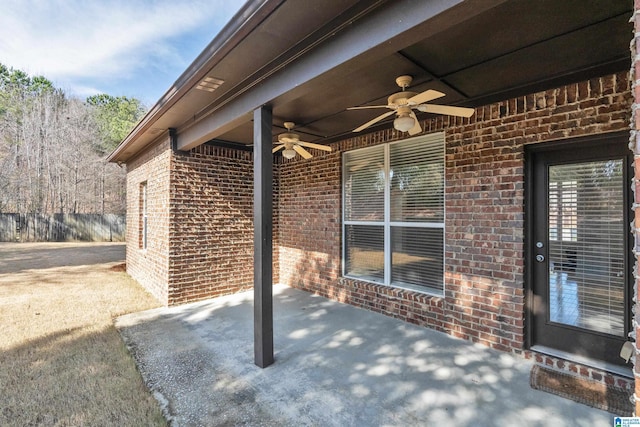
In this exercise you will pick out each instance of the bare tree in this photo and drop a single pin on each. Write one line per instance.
(53, 148)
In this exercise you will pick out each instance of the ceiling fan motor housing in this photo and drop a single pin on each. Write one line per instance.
(288, 137)
(400, 98)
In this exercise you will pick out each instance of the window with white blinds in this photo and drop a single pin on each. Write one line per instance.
(393, 213)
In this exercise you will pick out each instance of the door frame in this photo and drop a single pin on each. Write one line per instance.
(621, 137)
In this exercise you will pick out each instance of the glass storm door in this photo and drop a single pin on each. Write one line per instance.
(579, 253)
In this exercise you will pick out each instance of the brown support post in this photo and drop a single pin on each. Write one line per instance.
(262, 237)
(634, 145)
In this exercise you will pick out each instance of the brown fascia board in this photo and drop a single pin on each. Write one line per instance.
(245, 21)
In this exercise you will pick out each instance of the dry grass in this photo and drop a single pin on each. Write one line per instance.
(62, 362)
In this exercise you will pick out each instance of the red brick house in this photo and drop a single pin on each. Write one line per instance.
(509, 228)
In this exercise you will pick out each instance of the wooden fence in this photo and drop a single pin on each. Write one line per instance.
(61, 227)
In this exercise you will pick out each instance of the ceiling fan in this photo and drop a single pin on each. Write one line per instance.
(291, 143)
(403, 103)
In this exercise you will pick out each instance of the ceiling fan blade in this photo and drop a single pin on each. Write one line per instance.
(279, 147)
(447, 109)
(376, 120)
(304, 153)
(426, 96)
(312, 145)
(364, 107)
(416, 129)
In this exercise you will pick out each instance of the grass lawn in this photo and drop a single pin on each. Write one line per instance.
(62, 361)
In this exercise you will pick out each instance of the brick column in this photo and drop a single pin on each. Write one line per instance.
(634, 145)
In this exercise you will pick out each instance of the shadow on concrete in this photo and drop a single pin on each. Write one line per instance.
(336, 365)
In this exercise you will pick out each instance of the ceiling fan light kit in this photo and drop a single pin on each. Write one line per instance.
(405, 120)
(403, 123)
(288, 153)
(403, 103)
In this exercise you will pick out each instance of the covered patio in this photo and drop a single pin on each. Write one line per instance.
(335, 365)
(450, 225)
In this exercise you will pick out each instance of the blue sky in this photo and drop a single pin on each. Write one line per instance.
(136, 48)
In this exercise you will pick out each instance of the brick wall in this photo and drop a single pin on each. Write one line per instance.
(150, 266)
(309, 210)
(484, 255)
(211, 227)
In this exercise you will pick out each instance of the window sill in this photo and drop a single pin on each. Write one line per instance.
(400, 286)
(418, 289)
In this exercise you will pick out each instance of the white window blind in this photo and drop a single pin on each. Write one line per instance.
(417, 256)
(417, 181)
(365, 186)
(364, 245)
(586, 254)
(393, 213)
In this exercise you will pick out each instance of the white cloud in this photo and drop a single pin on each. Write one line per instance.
(75, 39)
(84, 91)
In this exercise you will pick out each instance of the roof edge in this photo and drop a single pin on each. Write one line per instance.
(247, 19)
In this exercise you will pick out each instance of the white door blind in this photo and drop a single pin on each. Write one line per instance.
(586, 245)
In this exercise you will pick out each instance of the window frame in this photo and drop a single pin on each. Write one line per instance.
(144, 206)
(388, 224)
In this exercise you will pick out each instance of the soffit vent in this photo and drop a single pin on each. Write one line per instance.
(209, 84)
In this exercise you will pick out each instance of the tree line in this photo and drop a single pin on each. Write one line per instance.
(53, 147)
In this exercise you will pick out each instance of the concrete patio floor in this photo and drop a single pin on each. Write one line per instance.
(336, 365)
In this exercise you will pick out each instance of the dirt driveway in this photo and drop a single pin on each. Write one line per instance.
(62, 362)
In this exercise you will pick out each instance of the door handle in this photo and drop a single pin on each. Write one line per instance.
(540, 258)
